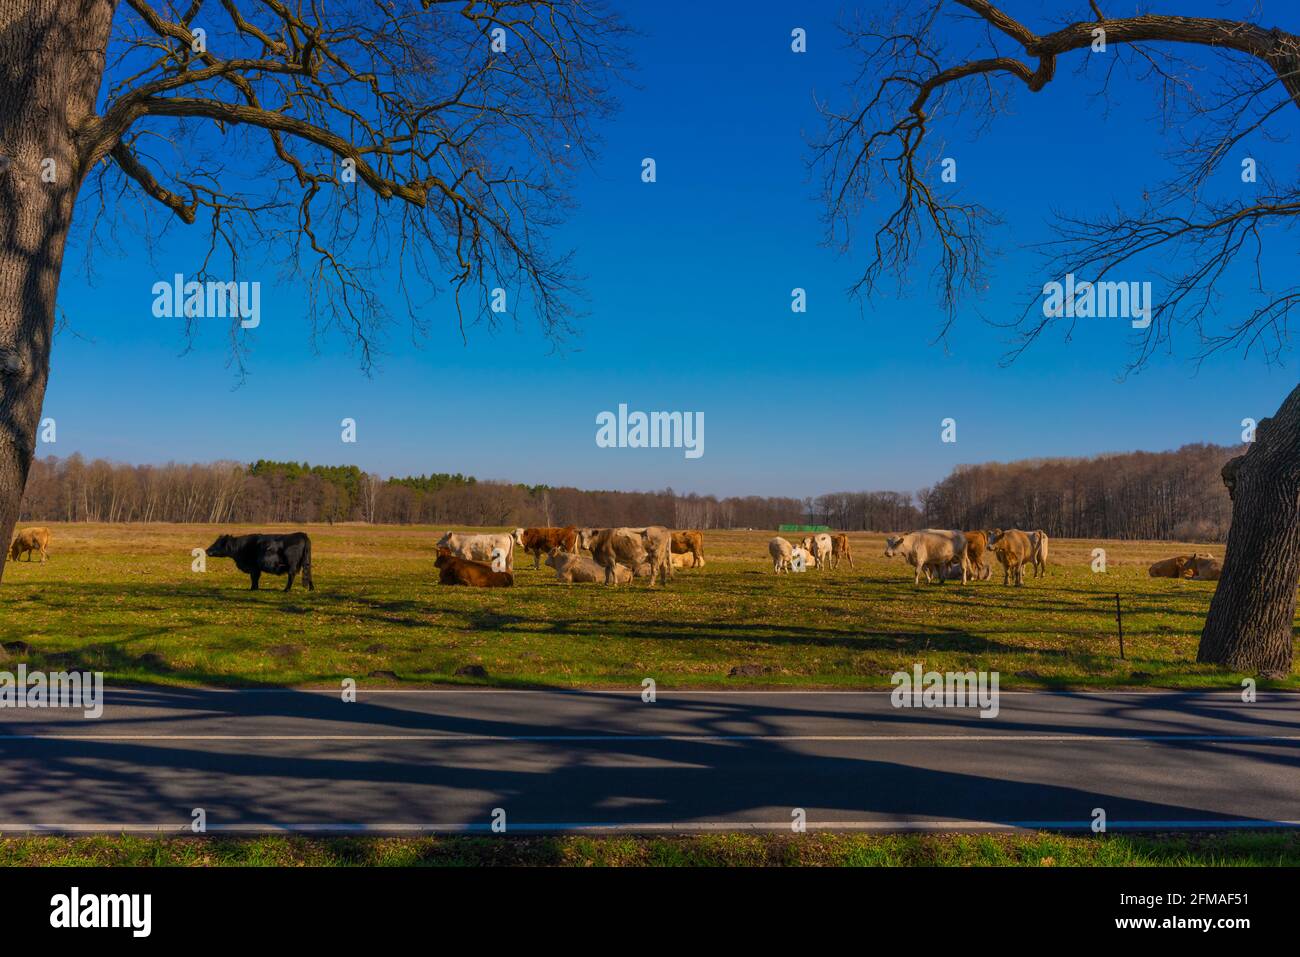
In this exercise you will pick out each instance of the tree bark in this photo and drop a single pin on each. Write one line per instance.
(51, 65)
(1250, 626)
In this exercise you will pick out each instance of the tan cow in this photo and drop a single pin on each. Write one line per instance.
(820, 547)
(691, 543)
(1038, 543)
(658, 542)
(685, 560)
(1013, 549)
(930, 551)
(1168, 567)
(30, 540)
(571, 568)
(840, 550)
(1203, 568)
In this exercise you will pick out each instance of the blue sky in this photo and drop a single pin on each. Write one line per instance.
(688, 308)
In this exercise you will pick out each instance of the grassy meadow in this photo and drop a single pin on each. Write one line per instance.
(814, 849)
(122, 599)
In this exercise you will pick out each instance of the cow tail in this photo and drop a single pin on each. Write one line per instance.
(306, 565)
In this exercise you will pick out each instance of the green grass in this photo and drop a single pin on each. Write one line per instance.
(123, 600)
(752, 850)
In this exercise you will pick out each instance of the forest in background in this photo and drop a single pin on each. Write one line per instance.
(1136, 495)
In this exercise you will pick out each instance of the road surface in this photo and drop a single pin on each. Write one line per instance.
(444, 761)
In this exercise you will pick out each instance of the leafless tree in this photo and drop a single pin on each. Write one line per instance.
(413, 145)
(1220, 81)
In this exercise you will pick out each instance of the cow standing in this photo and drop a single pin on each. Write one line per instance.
(1013, 549)
(930, 551)
(273, 554)
(30, 540)
(539, 541)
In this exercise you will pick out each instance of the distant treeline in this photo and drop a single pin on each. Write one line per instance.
(1148, 495)
(1136, 495)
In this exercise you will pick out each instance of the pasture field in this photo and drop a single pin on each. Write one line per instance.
(819, 849)
(122, 599)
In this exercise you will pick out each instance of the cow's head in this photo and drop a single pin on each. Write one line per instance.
(444, 541)
(892, 544)
(995, 535)
(222, 547)
(585, 536)
(518, 536)
(444, 558)
(553, 555)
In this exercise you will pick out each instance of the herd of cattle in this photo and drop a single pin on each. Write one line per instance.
(653, 552)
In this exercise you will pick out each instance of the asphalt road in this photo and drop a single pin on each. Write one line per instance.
(444, 760)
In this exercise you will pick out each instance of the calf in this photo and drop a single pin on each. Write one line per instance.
(462, 571)
(273, 554)
(840, 550)
(30, 540)
(544, 540)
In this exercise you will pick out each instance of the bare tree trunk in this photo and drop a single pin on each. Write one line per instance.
(1250, 624)
(51, 65)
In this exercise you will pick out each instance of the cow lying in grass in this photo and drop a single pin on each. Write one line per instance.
(462, 571)
(580, 568)
(273, 554)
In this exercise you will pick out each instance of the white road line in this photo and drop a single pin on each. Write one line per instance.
(457, 738)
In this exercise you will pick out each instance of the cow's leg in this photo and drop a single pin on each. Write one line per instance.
(254, 576)
(289, 583)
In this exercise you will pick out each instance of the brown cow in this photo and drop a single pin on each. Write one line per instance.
(461, 571)
(30, 540)
(1014, 550)
(1203, 568)
(977, 544)
(689, 543)
(545, 539)
(840, 549)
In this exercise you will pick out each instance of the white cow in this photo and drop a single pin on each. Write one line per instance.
(479, 548)
(684, 560)
(801, 556)
(930, 549)
(781, 552)
(820, 547)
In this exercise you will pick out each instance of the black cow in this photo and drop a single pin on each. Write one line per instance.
(276, 554)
